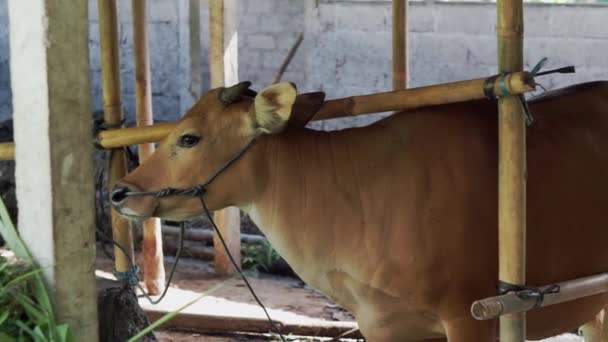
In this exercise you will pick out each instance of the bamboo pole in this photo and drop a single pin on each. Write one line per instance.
(400, 59)
(7, 151)
(407, 99)
(205, 235)
(224, 66)
(511, 167)
(117, 164)
(152, 246)
(420, 97)
(288, 58)
(206, 323)
(510, 303)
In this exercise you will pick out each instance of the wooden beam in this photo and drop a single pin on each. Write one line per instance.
(511, 166)
(407, 99)
(113, 116)
(152, 247)
(400, 58)
(223, 51)
(511, 303)
(54, 169)
(225, 324)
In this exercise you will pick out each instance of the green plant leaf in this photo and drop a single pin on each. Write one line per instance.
(32, 309)
(10, 235)
(3, 317)
(169, 316)
(40, 335)
(26, 329)
(23, 277)
(64, 333)
(6, 338)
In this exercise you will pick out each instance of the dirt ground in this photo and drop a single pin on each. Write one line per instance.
(285, 298)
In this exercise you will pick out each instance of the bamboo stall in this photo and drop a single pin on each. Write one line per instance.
(407, 99)
(113, 116)
(152, 247)
(400, 58)
(511, 167)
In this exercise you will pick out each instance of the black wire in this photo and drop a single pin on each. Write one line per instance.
(273, 326)
(178, 253)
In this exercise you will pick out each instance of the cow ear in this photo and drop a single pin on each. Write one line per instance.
(272, 107)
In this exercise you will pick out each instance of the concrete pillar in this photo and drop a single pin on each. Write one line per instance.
(54, 171)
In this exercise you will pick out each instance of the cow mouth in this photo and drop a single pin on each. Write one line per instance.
(133, 216)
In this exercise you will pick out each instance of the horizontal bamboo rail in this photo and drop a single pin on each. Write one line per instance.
(206, 235)
(204, 323)
(7, 151)
(511, 303)
(407, 99)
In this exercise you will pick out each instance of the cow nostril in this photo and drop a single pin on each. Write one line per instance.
(118, 195)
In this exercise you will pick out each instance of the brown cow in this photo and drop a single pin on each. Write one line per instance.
(396, 221)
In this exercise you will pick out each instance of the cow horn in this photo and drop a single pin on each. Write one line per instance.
(231, 94)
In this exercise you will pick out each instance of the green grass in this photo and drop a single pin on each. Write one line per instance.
(26, 313)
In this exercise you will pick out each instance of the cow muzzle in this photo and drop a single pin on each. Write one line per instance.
(132, 207)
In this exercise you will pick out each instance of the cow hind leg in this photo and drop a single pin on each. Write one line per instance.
(468, 329)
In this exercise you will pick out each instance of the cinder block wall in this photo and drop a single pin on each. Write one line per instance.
(346, 50)
(350, 50)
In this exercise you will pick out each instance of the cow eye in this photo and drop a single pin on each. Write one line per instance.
(188, 140)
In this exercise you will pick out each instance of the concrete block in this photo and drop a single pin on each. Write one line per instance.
(162, 10)
(537, 21)
(164, 57)
(5, 110)
(278, 23)
(286, 40)
(93, 14)
(249, 22)
(291, 7)
(320, 19)
(562, 52)
(353, 59)
(261, 7)
(249, 59)
(436, 49)
(580, 22)
(480, 50)
(94, 48)
(166, 107)
(473, 18)
(260, 41)
(363, 17)
(272, 60)
(124, 11)
(421, 18)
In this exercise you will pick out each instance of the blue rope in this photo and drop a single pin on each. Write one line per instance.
(131, 275)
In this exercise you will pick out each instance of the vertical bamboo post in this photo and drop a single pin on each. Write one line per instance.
(400, 59)
(112, 107)
(152, 247)
(223, 62)
(511, 166)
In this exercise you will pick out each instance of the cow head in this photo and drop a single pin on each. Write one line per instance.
(220, 125)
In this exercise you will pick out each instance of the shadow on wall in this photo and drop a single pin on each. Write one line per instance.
(6, 107)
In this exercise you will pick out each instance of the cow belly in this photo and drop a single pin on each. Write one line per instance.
(381, 316)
